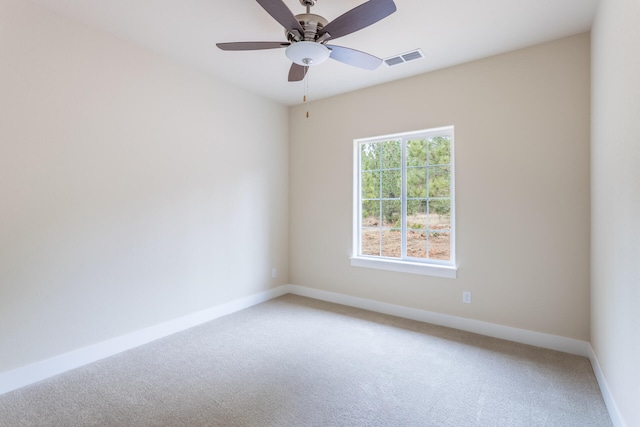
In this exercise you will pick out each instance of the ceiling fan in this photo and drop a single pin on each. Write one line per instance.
(307, 35)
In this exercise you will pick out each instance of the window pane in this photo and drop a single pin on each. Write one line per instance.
(416, 215)
(417, 183)
(439, 182)
(391, 213)
(439, 245)
(440, 150)
(391, 184)
(439, 222)
(370, 156)
(371, 185)
(370, 241)
(391, 152)
(392, 242)
(370, 213)
(417, 152)
(439, 214)
(416, 244)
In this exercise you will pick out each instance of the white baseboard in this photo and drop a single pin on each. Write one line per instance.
(614, 413)
(538, 339)
(39, 371)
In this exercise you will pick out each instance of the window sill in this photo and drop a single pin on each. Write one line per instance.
(406, 267)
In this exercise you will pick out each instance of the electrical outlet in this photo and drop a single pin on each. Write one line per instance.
(274, 273)
(466, 297)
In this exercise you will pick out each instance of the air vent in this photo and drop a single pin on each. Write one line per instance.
(405, 57)
(394, 60)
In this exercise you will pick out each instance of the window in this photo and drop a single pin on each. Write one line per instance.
(404, 203)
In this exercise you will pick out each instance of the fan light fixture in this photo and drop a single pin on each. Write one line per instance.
(307, 53)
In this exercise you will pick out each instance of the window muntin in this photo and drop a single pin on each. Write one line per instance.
(404, 189)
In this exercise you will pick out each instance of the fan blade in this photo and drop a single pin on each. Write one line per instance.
(297, 72)
(354, 57)
(358, 18)
(281, 13)
(252, 45)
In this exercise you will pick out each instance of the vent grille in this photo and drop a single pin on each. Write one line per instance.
(395, 60)
(404, 57)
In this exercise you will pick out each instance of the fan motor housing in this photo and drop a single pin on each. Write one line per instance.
(311, 23)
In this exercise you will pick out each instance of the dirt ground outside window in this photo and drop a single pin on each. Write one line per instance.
(386, 241)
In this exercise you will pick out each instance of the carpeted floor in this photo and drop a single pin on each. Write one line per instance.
(294, 361)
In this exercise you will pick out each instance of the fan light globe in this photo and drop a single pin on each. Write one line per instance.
(307, 53)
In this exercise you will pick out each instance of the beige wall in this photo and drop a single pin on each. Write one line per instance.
(132, 191)
(522, 180)
(615, 254)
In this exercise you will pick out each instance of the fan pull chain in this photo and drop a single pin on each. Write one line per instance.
(306, 90)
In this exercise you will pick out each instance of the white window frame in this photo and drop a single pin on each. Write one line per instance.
(428, 267)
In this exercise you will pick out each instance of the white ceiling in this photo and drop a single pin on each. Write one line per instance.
(449, 32)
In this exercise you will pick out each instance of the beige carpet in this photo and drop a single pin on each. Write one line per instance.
(295, 361)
